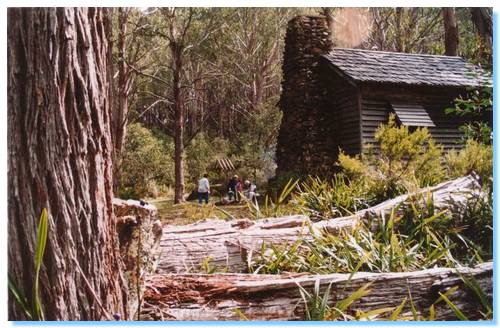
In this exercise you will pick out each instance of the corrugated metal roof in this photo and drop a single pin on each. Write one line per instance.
(412, 115)
(402, 68)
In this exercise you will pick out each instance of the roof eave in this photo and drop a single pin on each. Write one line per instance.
(428, 85)
(340, 72)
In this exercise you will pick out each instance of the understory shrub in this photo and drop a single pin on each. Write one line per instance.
(474, 157)
(407, 160)
(146, 162)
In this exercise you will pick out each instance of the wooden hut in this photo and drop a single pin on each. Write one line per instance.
(364, 87)
(336, 98)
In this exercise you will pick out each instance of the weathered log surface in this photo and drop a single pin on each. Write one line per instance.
(227, 243)
(139, 231)
(277, 297)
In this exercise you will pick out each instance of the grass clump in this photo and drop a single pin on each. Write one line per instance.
(413, 237)
(323, 199)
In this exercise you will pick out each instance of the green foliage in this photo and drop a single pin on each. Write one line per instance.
(414, 237)
(407, 160)
(255, 142)
(328, 199)
(316, 307)
(453, 307)
(146, 160)
(473, 285)
(277, 208)
(406, 155)
(473, 223)
(474, 157)
(277, 183)
(276, 259)
(340, 307)
(34, 310)
(241, 315)
(201, 155)
(41, 241)
(476, 106)
(206, 267)
(352, 166)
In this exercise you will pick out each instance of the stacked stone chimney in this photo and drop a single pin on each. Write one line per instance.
(303, 147)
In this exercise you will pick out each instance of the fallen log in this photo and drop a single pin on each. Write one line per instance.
(277, 297)
(226, 244)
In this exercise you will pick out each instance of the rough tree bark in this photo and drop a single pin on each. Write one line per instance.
(450, 31)
(60, 158)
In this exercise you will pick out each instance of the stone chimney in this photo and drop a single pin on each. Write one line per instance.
(302, 141)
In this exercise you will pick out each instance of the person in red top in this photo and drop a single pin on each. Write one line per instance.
(239, 189)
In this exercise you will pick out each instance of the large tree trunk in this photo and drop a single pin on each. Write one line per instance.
(277, 297)
(450, 31)
(60, 158)
(179, 124)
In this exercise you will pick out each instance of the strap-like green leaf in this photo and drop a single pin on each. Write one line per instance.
(454, 308)
(19, 298)
(41, 241)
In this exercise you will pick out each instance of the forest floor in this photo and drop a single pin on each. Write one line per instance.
(190, 212)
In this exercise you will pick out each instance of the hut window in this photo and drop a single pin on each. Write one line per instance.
(412, 115)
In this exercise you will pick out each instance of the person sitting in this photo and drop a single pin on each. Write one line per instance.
(250, 191)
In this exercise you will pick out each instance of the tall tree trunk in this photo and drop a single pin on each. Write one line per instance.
(179, 124)
(450, 31)
(60, 158)
(481, 17)
(120, 112)
(400, 43)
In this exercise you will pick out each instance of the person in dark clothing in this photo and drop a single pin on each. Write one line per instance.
(232, 192)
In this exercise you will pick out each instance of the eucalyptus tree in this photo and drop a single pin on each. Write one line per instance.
(180, 34)
(450, 31)
(60, 159)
